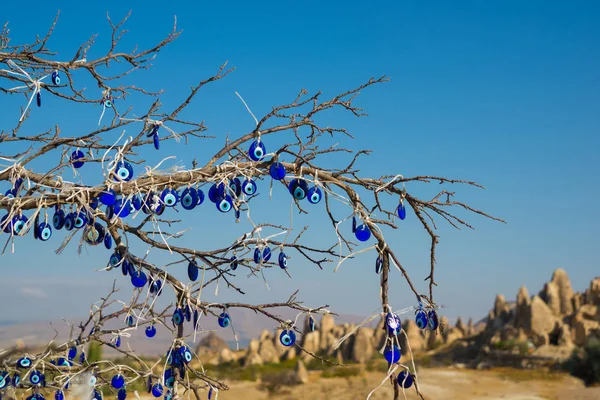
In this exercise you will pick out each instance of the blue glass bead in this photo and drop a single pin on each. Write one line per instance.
(16, 380)
(117, 381)
(24, 362)
(56, 81)
(287, 337)
(378, 265)
(150, 331)
(277, 171)
(249, 187)
(233, 264)
(108, 197)
(36, 378)
(185, 354)
(72, 352)
(236, 186)
(79, 219)
(92, 381)
(10, 193)
(432, 320)
(282, 260)
(421, 319)
(130, 321)
(156, 141)
(169, 378)
(189, 198)
(95, 234)
(168, 395)
(266, 254)
(193, 271)
(4, 379)
(405, 379)
(156, 287)
(94, 203)
(401, 211)
(44, 231)
(392, 354)
(354, 224)
(210, 392)
(19, 224)
(18, 184)
(169, 197)
(311, 324)
(136, 202)
(108, 101)
(82, 358)
(139, 279)
(314, 195)
(225, 204)
(298, 188)
(6, 226)
(257, 255)
(363, 233)
(393, 324)
(178, 316)
(122, 394)
(237, 214)
(123, 172)
(115, 259)
(200, 194)
(38, 98)
(117, 341)
(187, 311)
(157, 390)
(97, 395)
(77, 155)
(59, 395)
(257, 151)
(224, 320)
(216, 192)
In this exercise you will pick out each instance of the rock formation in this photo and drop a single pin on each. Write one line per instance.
(551, 322)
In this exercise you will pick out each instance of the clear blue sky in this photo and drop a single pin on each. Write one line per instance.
(503, 93)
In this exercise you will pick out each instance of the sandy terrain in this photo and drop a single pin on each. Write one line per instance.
(445, 384)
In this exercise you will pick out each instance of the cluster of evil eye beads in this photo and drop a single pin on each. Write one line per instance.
(36, 379)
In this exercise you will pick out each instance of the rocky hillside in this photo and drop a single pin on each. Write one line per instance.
(549, 323)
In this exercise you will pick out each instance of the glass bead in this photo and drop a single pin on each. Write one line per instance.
(193, 271)
(150, 331)
(287, 337)
(257, 150)
(392, 354)
(277, 171)
(189, 198)
(363, 233)
(77, 155)
(405, 379)
(224, 320)
(314, 195)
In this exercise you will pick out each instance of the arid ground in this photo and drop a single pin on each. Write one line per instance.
(442, 384)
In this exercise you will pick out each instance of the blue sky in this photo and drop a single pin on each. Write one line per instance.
(503, 93)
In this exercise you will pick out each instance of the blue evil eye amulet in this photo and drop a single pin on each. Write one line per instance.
(257, 150)
(378, 265)
(421, 319)
(298, 188)
(55, 78)
(123, 171)
(282, 260)
(392, 354)
(169, 197)
(432, 320)
(362, 233)
(189, 198)
(287, 337)
(314, 195)
(224, 320)
(150, 331)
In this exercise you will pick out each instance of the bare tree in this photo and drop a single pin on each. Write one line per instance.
(41, 203)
